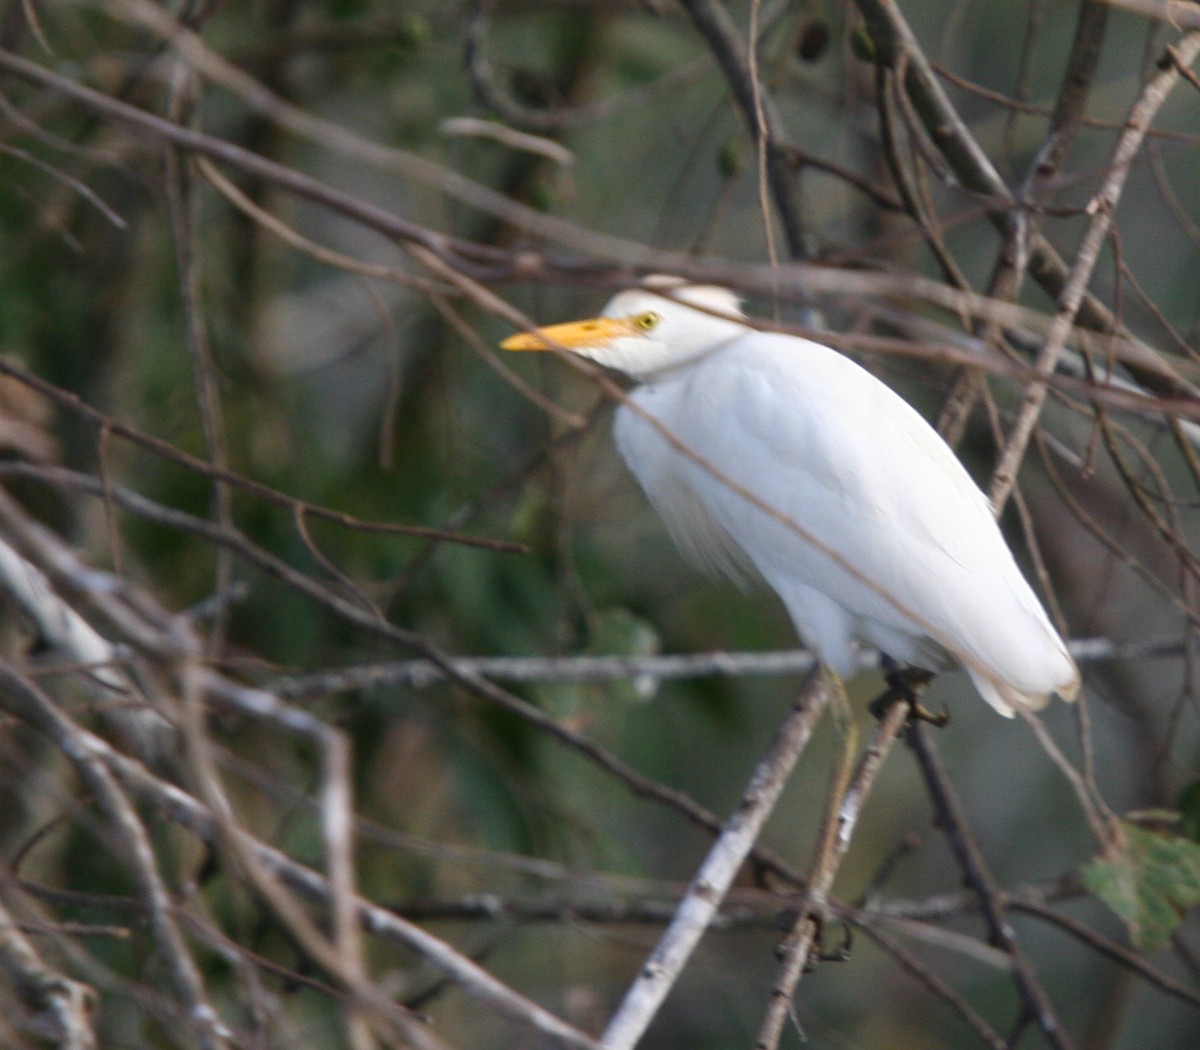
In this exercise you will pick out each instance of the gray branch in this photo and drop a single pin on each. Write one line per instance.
(645, 671)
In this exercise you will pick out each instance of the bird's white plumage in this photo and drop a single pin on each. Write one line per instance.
(807, 468)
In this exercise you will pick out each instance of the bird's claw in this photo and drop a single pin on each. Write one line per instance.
(841, 953)
(820, 918)
(918, 712)
(907, 684)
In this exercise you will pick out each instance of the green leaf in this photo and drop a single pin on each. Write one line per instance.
(620, 632)
(611, 632)
(1189, 811)
(1150, 883)
(863, 45)
(730, 160)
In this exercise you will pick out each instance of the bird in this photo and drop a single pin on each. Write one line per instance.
(774, 456)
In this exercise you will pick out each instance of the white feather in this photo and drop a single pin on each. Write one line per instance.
(860, 517)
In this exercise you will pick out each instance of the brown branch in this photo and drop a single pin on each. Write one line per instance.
(59, 1008)
(1105, 946)
(182, 210)
(22, 699)
(339, 955)
(334, 136)
(1101, 209)
(846, 802)
(1012, 264)
(183, 809)
(971, 165)
(950, 818)
(1076, 88)
(761, 117)
(100, 591)
(899, 49)
(165, 450)
(906, 175)
(936, 986)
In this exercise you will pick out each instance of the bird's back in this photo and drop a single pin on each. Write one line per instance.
(859, 516)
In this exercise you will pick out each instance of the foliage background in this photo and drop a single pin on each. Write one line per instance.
(133, 280)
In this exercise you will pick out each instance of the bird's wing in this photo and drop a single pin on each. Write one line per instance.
(830, 446)
(859, 473)
(855, 466)
(799, 431)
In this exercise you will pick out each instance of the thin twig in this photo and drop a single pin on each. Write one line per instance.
(937, 987)
(59, 1008)
(1102, 209)
(24, 700)
(338, 955)
(976, 872)
(477, 982)
(182, 207)
(72, 402)
(101, 589)
(1123, 956)
(1100, 818)
(846, 805)
(712, 880)
(971, 165)
(758, 109)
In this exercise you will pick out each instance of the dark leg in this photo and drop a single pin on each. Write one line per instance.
(821, 918)
(907, 683)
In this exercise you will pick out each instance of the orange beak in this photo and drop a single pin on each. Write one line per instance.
(575, 335)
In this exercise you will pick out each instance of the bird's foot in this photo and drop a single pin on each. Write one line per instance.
(822, 952)
(907, 684)
(819, 951)
(821, 919)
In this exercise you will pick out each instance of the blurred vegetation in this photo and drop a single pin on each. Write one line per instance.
(132, 282)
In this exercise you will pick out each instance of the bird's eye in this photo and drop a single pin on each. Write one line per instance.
(644, 322)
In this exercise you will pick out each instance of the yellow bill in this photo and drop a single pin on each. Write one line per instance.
(574, 335)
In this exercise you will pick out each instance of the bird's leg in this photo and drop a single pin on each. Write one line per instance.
(809, 919)
(821, 918)
(907, 683)
(826, 954)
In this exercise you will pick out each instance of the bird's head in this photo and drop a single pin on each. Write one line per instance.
(654, 328)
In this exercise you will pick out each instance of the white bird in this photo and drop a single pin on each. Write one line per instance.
(776, 454)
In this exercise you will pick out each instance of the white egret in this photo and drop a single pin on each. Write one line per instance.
(776, 454)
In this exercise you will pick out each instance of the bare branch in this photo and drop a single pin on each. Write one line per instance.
(181, 807)
(846, 803)
(1101, 209)
(24, 700)
(712, 879)
(60, 1008)
(758, 111)
(975, 871)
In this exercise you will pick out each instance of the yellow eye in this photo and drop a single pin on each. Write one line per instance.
(644, 322)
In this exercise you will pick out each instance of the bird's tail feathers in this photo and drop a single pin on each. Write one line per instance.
(1005, 699)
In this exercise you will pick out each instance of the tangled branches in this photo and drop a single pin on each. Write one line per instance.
(351, 695)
